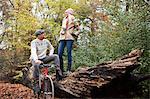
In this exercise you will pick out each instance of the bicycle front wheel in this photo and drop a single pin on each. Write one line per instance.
(48, 88)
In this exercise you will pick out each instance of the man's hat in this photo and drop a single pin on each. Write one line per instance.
(39, 32)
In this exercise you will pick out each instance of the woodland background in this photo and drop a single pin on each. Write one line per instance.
(110, 28)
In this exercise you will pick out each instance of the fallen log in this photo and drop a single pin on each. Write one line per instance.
(98, 80)
(108, 79)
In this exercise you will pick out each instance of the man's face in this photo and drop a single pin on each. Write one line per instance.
(41, 36)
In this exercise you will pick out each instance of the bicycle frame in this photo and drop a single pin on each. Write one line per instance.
(44, 76)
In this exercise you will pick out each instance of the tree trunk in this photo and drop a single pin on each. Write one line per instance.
(108, 79)
(103, 80)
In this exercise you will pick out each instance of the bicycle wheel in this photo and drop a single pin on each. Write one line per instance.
(48, 88)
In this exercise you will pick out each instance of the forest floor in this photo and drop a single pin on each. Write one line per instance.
(15, 91)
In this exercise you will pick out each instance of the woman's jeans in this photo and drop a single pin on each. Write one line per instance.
(68, 44)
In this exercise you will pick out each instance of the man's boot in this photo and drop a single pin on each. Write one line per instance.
(58, 75)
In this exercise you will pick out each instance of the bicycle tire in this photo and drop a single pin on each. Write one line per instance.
(48, 88)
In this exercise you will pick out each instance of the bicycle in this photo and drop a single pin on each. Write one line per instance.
(45, 82)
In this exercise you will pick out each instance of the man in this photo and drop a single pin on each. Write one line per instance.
(39, 47)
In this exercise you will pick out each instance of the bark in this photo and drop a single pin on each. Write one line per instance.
(98, 81)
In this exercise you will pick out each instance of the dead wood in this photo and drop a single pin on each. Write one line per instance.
(84, 81)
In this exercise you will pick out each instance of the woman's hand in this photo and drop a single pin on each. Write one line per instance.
(63, 31)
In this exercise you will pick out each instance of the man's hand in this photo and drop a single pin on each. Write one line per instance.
(50, 54)
(38, 62)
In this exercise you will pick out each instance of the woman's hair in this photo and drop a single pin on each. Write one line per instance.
(69, 11)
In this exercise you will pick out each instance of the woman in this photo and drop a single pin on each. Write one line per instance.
(66, 38)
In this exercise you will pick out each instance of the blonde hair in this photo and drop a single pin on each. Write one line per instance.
(69, 11)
